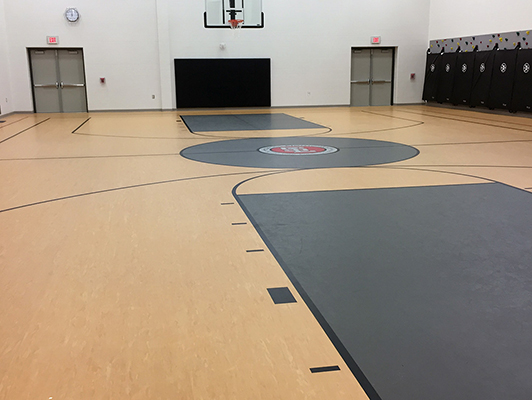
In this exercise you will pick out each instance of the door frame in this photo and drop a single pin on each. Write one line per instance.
(394, 53)
(28, 52)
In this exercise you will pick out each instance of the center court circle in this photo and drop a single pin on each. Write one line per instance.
(300, 152)
(297, 150)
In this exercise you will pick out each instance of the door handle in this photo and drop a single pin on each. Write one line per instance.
(63, 85)
(361, 82)
(46, 85)
(381, 81)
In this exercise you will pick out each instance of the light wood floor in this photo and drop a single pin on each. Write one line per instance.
(122, 276)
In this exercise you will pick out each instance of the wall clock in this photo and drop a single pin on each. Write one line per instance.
(72, 15)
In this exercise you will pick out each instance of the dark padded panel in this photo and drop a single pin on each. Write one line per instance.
(446, 78)
(428, 288)
(351, 153)
(522, 94)
(281, 295)
(482, 77)
(245, 122)
(223, 82)
(432, 72)
(502, 79)
(463, 78)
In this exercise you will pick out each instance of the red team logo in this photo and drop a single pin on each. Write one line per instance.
(298, 150)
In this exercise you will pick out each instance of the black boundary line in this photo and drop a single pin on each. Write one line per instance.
(239, 223)
(465, 166)
(84, 122)
(135, 137)
(476, 112)
(383, 130)
(89, 157)
(469, 122)
(348, 359)
(473, 143)
(27, 129)
(226, 204)
(489, 180)
(123, 188)
(392, 116)
(14, 122)
(255, 251)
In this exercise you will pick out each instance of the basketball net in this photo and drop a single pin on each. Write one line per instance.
(235, 25)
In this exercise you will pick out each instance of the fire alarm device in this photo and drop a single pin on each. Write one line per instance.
(72, 15)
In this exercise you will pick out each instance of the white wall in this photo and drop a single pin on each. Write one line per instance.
(132, 43)
(120, 43)
(309, 42)
(5, 87)
(455, 18)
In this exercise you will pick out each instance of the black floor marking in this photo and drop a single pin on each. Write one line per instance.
(325, 369)
(1, 122)
(281, 295)
(84, 122)
(136, 137)
(239, 223)
(463, 166)
(392, 116)
(472, 143)
(482, 111)
(89, 157)
(123, 188)
(226, 204)
(469, 122)
(27, 129)
(254, 251)
(13, 122)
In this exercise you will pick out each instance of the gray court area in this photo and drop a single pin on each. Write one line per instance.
(245, 122)
(428, 288)
(352, 153)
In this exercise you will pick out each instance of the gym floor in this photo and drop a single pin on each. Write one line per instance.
(146, 255)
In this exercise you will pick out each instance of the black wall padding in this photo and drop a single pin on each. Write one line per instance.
(223, 82)
(432, 71)
(502, 79)
(463, 78)
(480, 89)
(445, 84)
(522, 94)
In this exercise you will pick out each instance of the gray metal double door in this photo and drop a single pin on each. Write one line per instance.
(371, 77)
(58, 77)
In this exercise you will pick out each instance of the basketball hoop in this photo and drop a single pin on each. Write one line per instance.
(235, 24)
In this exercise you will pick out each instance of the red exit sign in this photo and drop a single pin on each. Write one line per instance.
(52, 39)
(375, 40)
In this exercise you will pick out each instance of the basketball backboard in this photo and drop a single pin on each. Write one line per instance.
(219, 12)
